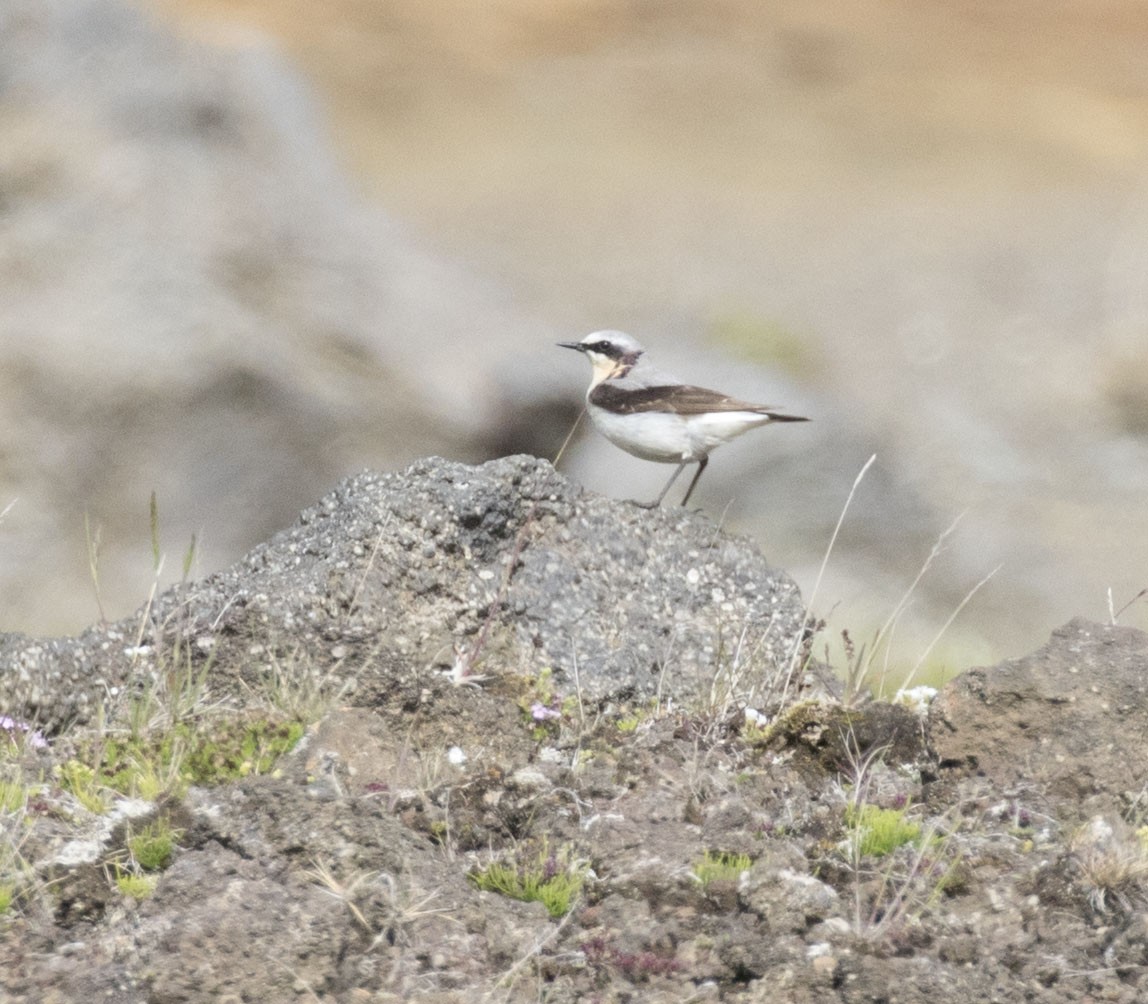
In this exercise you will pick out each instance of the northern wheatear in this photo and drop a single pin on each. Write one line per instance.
(656, 417)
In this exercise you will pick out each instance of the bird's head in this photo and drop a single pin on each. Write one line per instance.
(611, 353)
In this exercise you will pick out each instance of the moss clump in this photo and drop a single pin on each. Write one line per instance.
(154, 845)
(239, 748)
(136, 886)
(553, 879)
(629, 723)
(721, 866)
(804, 721)
(880, 831)
(149, 765)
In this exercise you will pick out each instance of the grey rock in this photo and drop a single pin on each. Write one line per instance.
(1067, 723)
(780, 890)
(431, 600)
(527, 573)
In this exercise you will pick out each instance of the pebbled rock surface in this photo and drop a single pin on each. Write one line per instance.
(504, 567)
(430, 604)
(1063, 719)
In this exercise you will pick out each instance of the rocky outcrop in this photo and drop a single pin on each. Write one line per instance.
(1067, 723)
(464, 571)
(501, 670)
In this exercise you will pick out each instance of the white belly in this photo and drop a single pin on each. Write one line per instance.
(670, 439)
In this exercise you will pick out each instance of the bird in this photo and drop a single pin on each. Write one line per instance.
(654, 416)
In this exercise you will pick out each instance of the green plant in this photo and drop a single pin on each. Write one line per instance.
(158, 777)
(134, 885)
(240, 748)
(13, 795)
(873, 830)
(178, 695)
(879, 831)
(163, 762)
(720, 866)
(16, 875)
(911, 879)
(152, 847)
(543, 708)
(84, 784)
(631, 718)
(135, 868)
(629, 723)
(899, 867)
(552, 879)
(174, 731)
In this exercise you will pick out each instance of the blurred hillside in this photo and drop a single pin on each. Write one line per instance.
(925, 226)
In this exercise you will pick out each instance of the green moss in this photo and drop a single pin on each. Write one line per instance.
(240, 748)
(755, 735)
(151, 765)
(537, 689)
(135, 886)
(880, 831)
(134, 870)
(552, 879)
(789, 724)
(154, 845)
(721, 866)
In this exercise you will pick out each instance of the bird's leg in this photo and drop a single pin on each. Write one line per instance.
(658, 501)
(689, 491)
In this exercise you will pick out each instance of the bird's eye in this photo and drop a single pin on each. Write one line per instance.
(604, 347)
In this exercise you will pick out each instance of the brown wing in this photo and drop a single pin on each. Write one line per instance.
(680, 399)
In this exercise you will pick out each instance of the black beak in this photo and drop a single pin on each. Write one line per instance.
(576, 346)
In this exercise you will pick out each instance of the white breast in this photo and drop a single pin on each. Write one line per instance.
(651, 435)
(669, 438)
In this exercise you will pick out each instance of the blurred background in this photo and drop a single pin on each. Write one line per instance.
(248, 247)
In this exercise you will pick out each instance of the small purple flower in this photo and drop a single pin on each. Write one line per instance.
(540, 713)
(32, 738)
